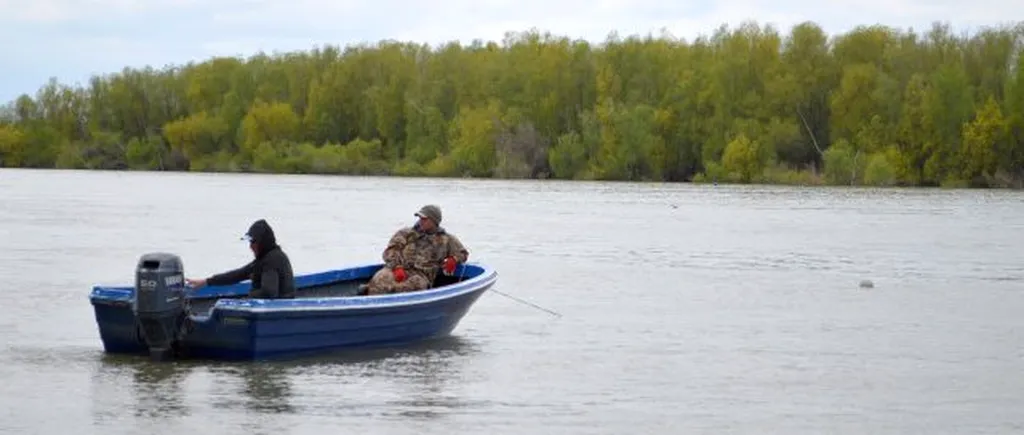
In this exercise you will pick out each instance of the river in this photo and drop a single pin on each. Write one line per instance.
(685, 308)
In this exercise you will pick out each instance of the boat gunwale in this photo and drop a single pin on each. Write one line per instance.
(482, 281)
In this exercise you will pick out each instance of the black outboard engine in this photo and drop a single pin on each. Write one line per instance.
(159, 302)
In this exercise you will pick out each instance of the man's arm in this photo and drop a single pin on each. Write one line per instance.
(456, 249)
(232, 276)
(269, 287)
(393, 253)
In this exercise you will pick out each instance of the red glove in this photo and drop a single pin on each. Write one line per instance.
(449, 265)
(399, 274)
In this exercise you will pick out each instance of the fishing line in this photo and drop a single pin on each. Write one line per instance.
(526, 303)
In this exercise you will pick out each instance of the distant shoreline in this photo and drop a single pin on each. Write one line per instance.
(556, 180)
(876, 106)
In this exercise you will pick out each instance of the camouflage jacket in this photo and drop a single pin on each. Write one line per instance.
(424, 253)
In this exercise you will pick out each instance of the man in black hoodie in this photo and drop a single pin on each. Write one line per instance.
(270, 271)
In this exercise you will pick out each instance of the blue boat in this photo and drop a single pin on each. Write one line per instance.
(328, 314)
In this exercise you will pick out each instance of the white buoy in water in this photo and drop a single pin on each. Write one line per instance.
(867, 284)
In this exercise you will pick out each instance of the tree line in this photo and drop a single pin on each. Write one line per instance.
(874, 106)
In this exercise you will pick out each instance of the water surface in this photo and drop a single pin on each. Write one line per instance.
(686, 309)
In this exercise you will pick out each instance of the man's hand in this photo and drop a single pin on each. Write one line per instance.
(449, 265)
(195, 283)
(399, 273)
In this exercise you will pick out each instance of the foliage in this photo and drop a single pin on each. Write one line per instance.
(877, 105)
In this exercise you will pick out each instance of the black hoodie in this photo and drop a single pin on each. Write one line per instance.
(271, 270)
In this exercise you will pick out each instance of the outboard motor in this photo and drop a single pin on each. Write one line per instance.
(159, 301)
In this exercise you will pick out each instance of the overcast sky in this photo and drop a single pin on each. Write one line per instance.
(73, 39)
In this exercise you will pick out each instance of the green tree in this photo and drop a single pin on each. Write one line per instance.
(984, 139)
(875, 105)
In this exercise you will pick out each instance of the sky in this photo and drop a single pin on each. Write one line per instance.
(75, 39)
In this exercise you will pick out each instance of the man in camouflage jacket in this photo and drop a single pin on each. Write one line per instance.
(415, 255)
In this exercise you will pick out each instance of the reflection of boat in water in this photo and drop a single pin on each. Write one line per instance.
(154, 391)
(161, 391)
(261, 388)
(421, 381)
(159, 317)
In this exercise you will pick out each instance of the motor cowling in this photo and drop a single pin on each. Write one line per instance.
(159, 302)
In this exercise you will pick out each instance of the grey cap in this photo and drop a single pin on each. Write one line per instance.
(431, 212)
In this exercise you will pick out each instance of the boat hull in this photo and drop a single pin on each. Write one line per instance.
(325, 316)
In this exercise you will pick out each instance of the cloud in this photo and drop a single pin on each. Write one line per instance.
(73, 39)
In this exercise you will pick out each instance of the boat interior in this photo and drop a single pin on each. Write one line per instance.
(345, 288)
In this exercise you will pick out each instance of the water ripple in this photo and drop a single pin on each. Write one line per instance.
(686, 308)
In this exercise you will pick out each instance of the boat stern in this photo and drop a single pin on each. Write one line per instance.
(115, 321)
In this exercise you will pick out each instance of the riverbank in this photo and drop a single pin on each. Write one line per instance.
(875, 106)
(776, 176)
